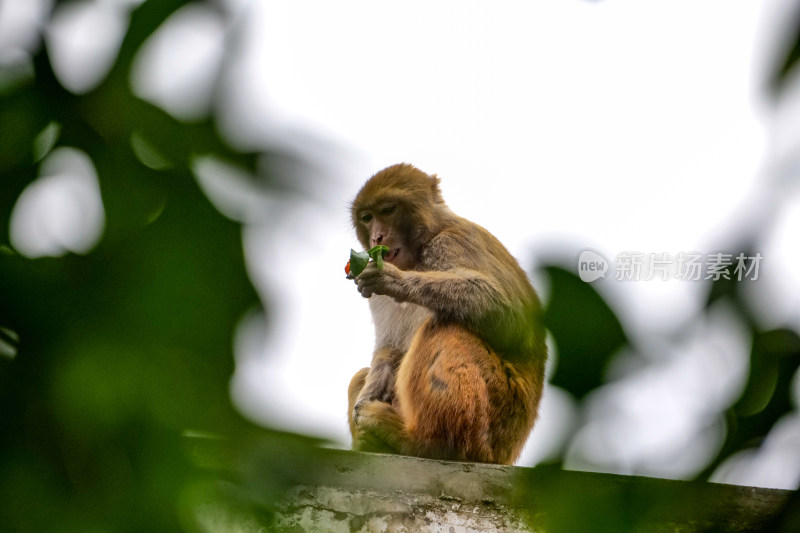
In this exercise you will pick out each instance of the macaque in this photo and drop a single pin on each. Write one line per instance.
(458, 367)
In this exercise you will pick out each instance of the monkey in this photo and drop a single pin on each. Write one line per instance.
(457, 372)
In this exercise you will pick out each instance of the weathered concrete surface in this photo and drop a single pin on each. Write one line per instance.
(355, 492)
(332, 509)
(386, 493)
(342, 491)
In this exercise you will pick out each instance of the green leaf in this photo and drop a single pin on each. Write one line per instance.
(44, 142)
(790, 57)
(377, 253)
(358, 262)
(585, 329)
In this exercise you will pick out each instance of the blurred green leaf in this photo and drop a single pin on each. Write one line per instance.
(44, 142)
(767, 397)
(585, 329)
(109, 357)
(789, 58)
(582, 502)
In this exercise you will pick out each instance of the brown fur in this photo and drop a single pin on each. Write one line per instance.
(458, 367)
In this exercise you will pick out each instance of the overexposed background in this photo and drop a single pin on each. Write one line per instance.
(559, 126)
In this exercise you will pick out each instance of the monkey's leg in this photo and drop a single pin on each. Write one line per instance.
(442, 407)
(444, 393)
(361, 393)
(515, 389)
(379, 382)
(356, 385)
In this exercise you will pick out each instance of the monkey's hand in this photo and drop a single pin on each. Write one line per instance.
(387, 281)
(381, 390)
(364, 400)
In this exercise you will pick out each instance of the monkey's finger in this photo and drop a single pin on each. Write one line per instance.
(370, 277)
(371, 269)
(364, 289)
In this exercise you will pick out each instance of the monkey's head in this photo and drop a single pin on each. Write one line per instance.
(400, 207)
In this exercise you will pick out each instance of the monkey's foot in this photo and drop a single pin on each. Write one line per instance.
(381, 426)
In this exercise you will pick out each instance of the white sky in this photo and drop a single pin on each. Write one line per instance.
(615, 125)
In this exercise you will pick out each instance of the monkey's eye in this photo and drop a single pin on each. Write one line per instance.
(366, 217)
(388, 210)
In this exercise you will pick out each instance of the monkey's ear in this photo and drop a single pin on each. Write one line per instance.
(436, 193)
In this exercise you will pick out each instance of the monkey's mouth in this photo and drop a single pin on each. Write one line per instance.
(391, 255)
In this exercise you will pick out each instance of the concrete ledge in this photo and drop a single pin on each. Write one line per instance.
(376, 492)
(342, 491)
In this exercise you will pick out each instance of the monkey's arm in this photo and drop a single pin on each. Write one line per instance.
(458, 294)
(379, 383)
